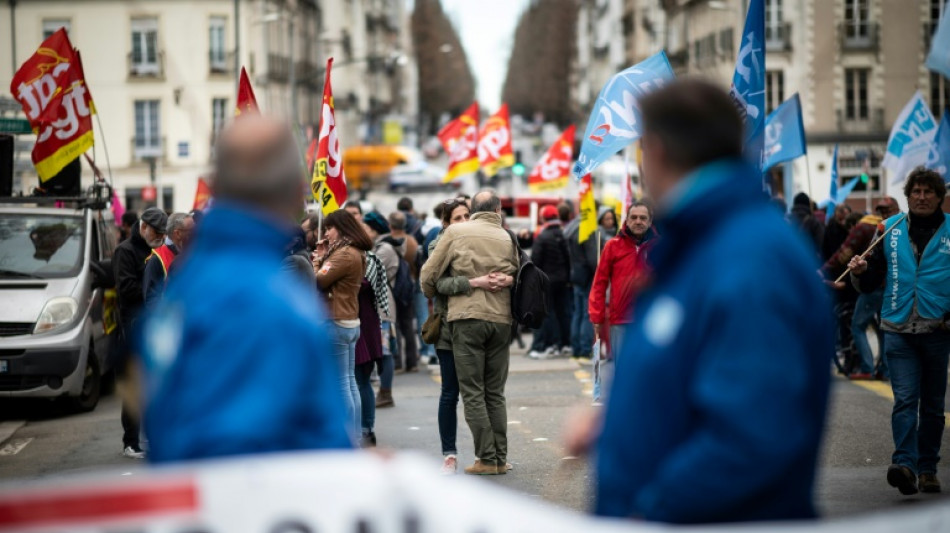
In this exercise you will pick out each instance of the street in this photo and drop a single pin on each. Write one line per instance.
(39, 440)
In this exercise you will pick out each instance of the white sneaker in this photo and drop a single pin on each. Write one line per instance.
(450, 465)
(567, 351)
(133, 453)
(534, 354)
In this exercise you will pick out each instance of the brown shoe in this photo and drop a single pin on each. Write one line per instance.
(385, 399)
(482, 469)
(503, 468)
(928, 483)
(903, 479)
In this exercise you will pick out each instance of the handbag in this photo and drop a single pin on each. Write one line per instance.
(432, 328)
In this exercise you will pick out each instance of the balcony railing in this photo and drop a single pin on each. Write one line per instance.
(778, 37)
(150, 147)
(859, 37)
(278, 68)
(873, 124)
(140, 67)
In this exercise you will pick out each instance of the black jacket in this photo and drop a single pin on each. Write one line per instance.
(835, 235)
(128, 265)
(802, 218)
(550, 254)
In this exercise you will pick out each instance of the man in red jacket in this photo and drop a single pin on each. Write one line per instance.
(623, 267)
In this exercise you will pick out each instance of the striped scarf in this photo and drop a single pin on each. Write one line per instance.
(376, 276)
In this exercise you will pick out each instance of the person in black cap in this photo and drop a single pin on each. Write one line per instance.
(128, 264)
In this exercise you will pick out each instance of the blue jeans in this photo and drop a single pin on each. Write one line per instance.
(919, 379)
(389, 368)
(421, 305)
(343, 348)
(367, 397)
(867, 306)
(448, 402)
(582, 332)
(617, 333)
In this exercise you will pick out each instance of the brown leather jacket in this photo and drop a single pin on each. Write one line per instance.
(340, 278)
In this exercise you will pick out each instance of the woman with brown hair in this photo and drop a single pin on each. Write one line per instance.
(339, 262)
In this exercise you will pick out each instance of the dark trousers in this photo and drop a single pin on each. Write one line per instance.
(448, 402)
(367, 396)
(406, 338)
(130, 428)
(556, 329)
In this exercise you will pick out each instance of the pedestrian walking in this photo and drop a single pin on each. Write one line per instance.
(480, 323)
(128, 265)
(718, 403)
(913, 264)
(178, 233)
(232, 354)
(339, 263)
(550, 254)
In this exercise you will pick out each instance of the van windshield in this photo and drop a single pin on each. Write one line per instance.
(40, 246)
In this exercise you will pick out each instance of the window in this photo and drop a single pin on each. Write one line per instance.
(939, 94)
(219, 113)
(148, 141)
(774, 89)
(50, 26)
(856, 21)
(144, 46)
(856, 94)
(216, 54)
(773, 19)
(727, 43)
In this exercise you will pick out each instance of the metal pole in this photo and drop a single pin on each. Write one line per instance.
(293, 72)
(13, 34)
(237, 45)
(807, 176)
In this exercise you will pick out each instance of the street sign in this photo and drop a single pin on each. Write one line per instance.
(15, 125)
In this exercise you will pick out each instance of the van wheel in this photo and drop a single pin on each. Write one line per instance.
(91, 386)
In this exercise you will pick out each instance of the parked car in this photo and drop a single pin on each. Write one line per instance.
(419, 176)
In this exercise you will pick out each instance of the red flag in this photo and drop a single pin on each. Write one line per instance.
(554, 168)
(246, 102)
(494, 143)
(460, 140)
(52, 90)
(329, 181)
(202, 195)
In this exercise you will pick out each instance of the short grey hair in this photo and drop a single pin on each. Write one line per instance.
(176, 221)
(486, 202)
(397, 221)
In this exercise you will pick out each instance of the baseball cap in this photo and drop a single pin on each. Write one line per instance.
(156, 218)
(548, 212)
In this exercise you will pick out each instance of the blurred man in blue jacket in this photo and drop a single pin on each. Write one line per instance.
(231, 354)
(718, 405)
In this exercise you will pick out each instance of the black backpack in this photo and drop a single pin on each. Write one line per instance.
(403, 287)
(529, 294)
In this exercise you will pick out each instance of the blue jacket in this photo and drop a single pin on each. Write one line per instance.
(232, 354)
(718, 401)
(926, 284)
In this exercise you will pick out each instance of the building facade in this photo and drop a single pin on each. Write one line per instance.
(163, 76)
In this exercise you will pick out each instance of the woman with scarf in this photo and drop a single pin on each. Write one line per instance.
(339, 263)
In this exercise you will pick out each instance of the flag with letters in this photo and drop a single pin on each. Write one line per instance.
(494, 143)
(748, 83)
(784, 133)
(588, 208)
(51, 87)
(460, 140)
(329, 180)
(554, 168)
(911, 139)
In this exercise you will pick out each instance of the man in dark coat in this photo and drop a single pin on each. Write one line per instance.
(802, 218)
(550, 254)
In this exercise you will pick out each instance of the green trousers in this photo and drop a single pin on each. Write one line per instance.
(481, 361)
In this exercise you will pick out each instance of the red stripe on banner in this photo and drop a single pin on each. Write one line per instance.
(97, 504)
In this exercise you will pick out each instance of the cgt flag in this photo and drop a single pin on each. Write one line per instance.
(588, 207)
(246, 102)
(615, 119)
(494, 143)
(939, 157)
(329, 181)
(202, 195)
(554, 168)
(911, 139)
(784, 133)
(460, 140)
(51, 87)
(748, 83)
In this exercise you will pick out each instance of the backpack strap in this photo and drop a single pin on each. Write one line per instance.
(516, 251)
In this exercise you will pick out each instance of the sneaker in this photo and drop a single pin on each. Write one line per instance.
(567, 351)
(903, 479)
(534, 354)
(482, 469)
(133, 452)
(368, 440)
(929, 483)
(860, 376)
(450, 465)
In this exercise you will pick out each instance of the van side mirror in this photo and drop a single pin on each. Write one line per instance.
(102, 275)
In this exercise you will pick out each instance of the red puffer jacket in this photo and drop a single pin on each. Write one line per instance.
(623, 267)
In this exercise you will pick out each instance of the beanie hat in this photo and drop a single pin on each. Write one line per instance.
(802, 199)
(377, 222)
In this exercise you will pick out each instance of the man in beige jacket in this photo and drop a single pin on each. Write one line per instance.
(481, 324)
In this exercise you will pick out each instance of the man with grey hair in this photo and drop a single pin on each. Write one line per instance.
(231, 353)
(177, 233)
(480, 322)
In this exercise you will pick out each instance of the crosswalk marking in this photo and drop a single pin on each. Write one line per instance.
(15, 446)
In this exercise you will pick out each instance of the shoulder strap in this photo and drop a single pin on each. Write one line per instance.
(516, 250)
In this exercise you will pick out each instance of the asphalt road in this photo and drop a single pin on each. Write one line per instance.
(39, 440)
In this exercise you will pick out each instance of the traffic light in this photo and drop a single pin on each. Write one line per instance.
(518, 169)
(865, 178)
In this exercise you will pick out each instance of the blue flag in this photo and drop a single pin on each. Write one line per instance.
(615, 120)
(838, 195)
(911, 139)
(748, 83)
(784, 133)
(939, 58)
(939, 157)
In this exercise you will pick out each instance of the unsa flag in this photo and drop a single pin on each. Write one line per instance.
(494, 143)
(329, 181)
(51, 87)
(554, 168)
(460, 140)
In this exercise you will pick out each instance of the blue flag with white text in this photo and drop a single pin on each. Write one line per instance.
(939, 58)
(911, 139)
(748, 83)
(784, 133)
(939, 157)
(615, 120)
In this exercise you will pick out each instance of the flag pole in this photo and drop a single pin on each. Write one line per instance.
(807, 176)
(873, 244)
